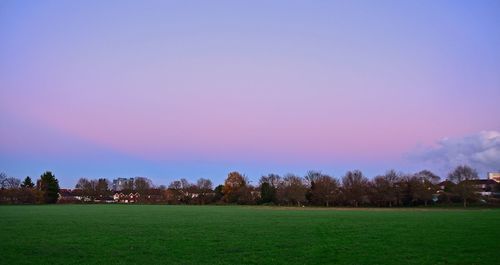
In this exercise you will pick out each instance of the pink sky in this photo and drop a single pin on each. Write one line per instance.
(288, 83)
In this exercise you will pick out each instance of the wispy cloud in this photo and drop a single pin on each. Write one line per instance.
(480, 151)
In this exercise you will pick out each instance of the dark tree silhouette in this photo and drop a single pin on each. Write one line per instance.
(3, 176)
(204, 190)
(323, 189)
(219, 193)
(11, 183)
(234, 186)
(428, 185)
(102, 187)
(355, 186)
(182, 191)
(142, 184)
(463, 177)
(27, 183)
(268, 186)
(291, 190)
(87, 187)
(49, 185)
(385, 189)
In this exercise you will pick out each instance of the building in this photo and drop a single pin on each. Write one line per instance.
(121, 197)
(70, 196)
(494, 176)
(445, 186)
(120, 184)
(484, 187)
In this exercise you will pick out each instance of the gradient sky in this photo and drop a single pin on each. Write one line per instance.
(171, 89)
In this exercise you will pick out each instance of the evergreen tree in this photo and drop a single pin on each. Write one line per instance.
(27, 183)
(49, 185)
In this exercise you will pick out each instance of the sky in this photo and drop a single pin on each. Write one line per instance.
(190, 89)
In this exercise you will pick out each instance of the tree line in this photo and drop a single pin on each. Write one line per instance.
(392, 189)
(13, 191)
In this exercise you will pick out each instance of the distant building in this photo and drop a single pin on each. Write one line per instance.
(70, 196)
(494, 176)
(120, 184)
(126, 198)
(484, 187)
(445, 186)
(74, 196)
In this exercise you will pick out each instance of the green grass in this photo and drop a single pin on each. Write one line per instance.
(159, 234)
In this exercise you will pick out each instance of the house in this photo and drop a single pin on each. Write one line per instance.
(104, 199)
(484, 187)
(71, 196)
(445, 186)
(121, 197)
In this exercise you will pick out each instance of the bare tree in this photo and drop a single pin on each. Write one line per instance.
(175, 185)
(268, 186)
(428, 185)
(87, 187)
(181, 191)
(385, 189)
(102, 187)
(204, 184)
(11, 183)
(378, 185)
(355, 187)
(185, 184)
(142, 184)
(324, 189)
(3, 176)
(204, 189)
(292, 190)
(428, 176)
(174, 192)
(413, 190)
(272, 179)
(10, 191)
(311, 195)
(463, 176)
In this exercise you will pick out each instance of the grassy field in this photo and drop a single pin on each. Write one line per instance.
(140, 234)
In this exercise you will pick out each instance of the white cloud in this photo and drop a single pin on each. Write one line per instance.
(480, 151)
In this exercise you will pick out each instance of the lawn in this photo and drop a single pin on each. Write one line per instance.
(159, 234)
